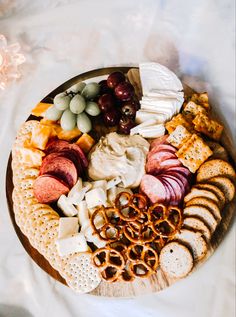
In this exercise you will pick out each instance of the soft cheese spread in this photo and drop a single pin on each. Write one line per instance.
(119, 155)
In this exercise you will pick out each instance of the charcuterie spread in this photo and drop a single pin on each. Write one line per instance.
(119, 178)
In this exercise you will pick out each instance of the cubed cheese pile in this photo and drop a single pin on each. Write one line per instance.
(162, 98)
(75, 229)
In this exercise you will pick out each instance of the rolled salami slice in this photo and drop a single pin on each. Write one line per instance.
(48, 188)
(182, 170)
(154, 189)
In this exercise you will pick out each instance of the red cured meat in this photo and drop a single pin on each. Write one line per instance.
(162, 147)
(48, 188)
(173, 200)
(60, 166)
(160, 140)
(161, 155)
(61, 145)
(181, 170)
(176, 187)
(170, 163)
(153, 188)
(182, 178)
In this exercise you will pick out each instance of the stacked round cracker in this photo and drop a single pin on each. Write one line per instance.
(214, 188)
(40, 223)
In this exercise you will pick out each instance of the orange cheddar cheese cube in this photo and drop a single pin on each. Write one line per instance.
(85, 142)
(40, 136)
(30, 156)
(40, 109)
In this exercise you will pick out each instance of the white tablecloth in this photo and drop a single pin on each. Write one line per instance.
(62, 38)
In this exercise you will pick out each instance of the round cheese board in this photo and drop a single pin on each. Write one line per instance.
(160, 279)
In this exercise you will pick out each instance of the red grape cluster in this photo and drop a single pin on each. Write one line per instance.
(117, 102)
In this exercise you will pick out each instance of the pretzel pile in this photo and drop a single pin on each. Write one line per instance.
(135, 233)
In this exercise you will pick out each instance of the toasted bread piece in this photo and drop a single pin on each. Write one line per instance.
(209, 204)
(194, 241)
(202, 213)
(178, 120)
(176, 260)
(211, 128)
(194, 153)
(214, 168)
(196, 193)
(224, 184)
(197, 224)
(215, 190)
(219, 152)
(179, 136)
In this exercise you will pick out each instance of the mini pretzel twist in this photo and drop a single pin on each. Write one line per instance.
(165, 221)
(143, 260)
(133, 207)
(110, 229)
(110, 263)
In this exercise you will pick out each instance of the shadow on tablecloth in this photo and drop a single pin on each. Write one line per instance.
(13, 311)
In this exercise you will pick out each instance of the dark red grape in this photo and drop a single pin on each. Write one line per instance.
(124, 91)
(106, 102)
(129, 109)
(125, 125)
(114, 79)
(111, 118)
(104, 89)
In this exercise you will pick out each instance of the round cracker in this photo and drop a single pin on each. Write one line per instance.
(80, 274)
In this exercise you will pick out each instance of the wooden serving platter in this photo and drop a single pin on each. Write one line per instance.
(140, 286)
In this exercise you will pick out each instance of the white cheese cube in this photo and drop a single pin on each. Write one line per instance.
(66, 206)
(76, 188)
(95, 197)
(79, 195)
(83, 214)
(72, 244)
(94, 238)
(113, 182)
(99, 184)
(68, 226)
(144, 115)
(147, 123)
(114, 191)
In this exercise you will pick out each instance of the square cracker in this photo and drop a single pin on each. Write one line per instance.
(193, 153)
(178, 120)
(205, 125)
(192, 109)
(179, 136)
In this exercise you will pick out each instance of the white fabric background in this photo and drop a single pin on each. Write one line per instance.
(63, 38)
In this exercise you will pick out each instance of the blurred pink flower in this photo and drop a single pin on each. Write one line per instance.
(10, 59)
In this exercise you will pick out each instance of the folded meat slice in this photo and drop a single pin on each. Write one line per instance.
(154, 189)
(48, 188)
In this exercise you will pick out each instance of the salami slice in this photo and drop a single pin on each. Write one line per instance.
(61, 145)
(168, 191)
(161, 155)
(173, 199)
(170, 163)
(181, 170)
(48, 188)
(153, 188)
(61, 167)
(160, 140)
(162, 147)
(182, 178)
(176, 187)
